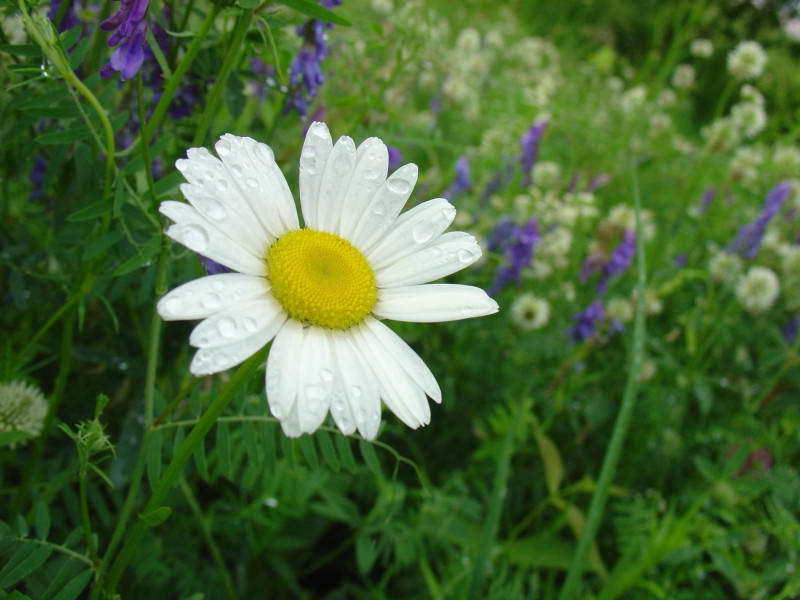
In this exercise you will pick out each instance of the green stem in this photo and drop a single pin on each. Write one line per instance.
(492, 522)
(572, 583)
(227, 580)
(86, 523)
(145, 144)
(176, 465)
(231, 58)
(723, 98)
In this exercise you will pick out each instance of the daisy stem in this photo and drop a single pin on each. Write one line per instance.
(621, 425)
(231, 58)
(176, 465)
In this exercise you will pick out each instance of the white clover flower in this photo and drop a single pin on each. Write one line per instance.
(790, 261)
(666, 98)
(615, 84)
(747, 60)
(619, 309)
(22, 410)
(546, 173)
(749, 117)
(652, 303)
(659, 124)
(555, 243)
(633, 99)
(530, 312)
(623, 216)
(701, 47)
(319, 290)
(725, 267)
(786, 159)
(791, 27)
(683, 77)
(383, 6)
(568, 291)
(721, 135)
(745, 164)
(750, 93)
(757, 290)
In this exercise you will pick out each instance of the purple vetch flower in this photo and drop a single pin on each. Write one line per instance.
(519, 254)
(597, 181)
(395, 157)
(529, 143)
(501, 236)
(305, 72)
(212, 267)
(705, 201)
(789, 330)
(620, 259)
(129, 29)
(590, 266)
(681, 259)
(586, 322)
(68, 20)
(461, 181)
(748, 240)
(36, 177)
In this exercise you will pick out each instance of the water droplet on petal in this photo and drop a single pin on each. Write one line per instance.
(222, 184)
(223, 149)
(237, 170)
(380, 209)
(195, 237)
(308, 160)
(465, 255)
(398, 185)
(326, 375)
(250, 324)
(355, 391)
(251, 182)
(361, 416)
(215, 210)
(436, 251)
(172, 305)
(227, 327)
(422, 232)
(211, 301)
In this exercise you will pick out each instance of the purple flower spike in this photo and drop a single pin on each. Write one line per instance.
(129, 29)
(748, 240)
(395, 157)
(620, 260)
(586, 322)
(501, 236)
(790, 329)
(461, 182)
(530, 149)
(519, 254)
(212, 267)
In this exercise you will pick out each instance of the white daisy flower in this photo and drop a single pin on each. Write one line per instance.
(320, 290)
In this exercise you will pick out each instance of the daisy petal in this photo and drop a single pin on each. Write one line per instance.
(220, 358)
(372, 162)
(235, 323)
(385, 205)
(198, 234)
(405, 356)
(433, 302)
(360, 404)
(398, 391)
(206, 296)
(414, 230)
(316, 148)
(283, 367)
(252, 169)
(291, 423)
(334, 183)
(451, 252)
(315, 380)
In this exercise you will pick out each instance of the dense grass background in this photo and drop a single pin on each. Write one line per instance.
(491, 498)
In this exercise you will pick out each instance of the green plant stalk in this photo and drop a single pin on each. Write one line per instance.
(723, 98)
(146, 146)
(492, 522)
(86, 523)
(611, 458)
(175, 467)
(227, 580)
(230, 60)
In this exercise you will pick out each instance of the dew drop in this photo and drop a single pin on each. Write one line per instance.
(218, 286)
(251, 182)
(448, 213)
(342, 164)
(237, 170)
(195, 237)
(356, 391)
(211, 301)
(308, 160)
(215, 210)
(222, 184)
(315, 394)
(227, 327)
(172, 305)
(203, 341)
(465, 255)
(372, 173)
(223, 149)
(380, 209)
(361, 415)
(398, 185)
(436, 251)
(326, 375)
(338, 406)
(250, 324)
(422, 232)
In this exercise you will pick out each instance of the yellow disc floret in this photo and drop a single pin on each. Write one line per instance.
(321, 279)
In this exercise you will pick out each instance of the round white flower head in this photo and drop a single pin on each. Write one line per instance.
(747, 60)
(546, 173)
(757, 290)
(751, 94)
(666, 98)
(791, 27)
(786, 159)
(683, 77)
(469, 40)
(745, 164)
(530, 312)
(749, 117)
(319, 290)
(619, 309)
(790, 262)
(701, 48)
(721, 135)
(22, 410)
(633, 99)
(725, 267)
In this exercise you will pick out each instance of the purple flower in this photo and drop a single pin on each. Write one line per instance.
(680, 260)
(395, 157)
(129, 29)
(790, 329)
(620, 259)
(705, 201)
(590, 266)
(501, 236)
(748, 240)
(212, 267)
(519, 254)
(530, 149)
(586, 322)
(68, 20)
(305, 72)
(461, 182)
(36, 177)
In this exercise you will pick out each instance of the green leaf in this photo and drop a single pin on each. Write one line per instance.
(156, 517)
(29, 50)
(270, 447)
(75, 586)
(328, 450)
(87, 213)
(24, 562)
(70, 36)
(309, 451)
(315, 11)
(551, 458)
(248, 4)
(63, 136)
(41, 519)
(101, 244)
(79, 53)
(145, 254)
(368, 452)
(68, 569)
(345, 453)
(22, 526)
(366, 553)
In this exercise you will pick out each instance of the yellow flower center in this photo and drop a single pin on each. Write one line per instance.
(321, 279)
